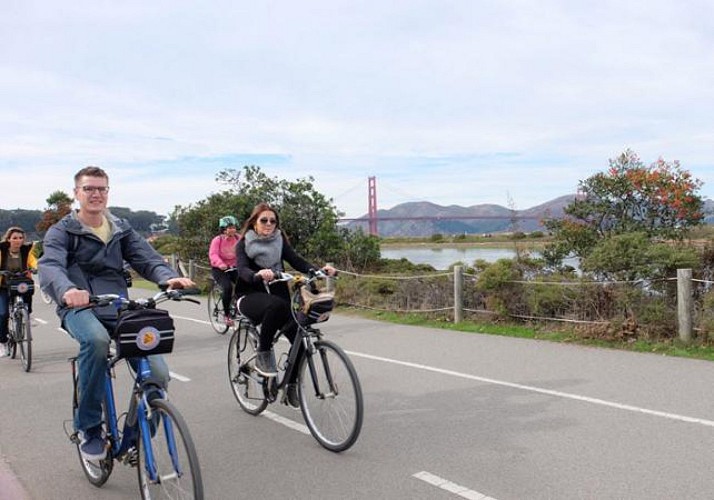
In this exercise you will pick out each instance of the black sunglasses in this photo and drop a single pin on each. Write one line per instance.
(265, 220)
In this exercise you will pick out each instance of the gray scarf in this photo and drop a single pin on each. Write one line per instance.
(266, 251)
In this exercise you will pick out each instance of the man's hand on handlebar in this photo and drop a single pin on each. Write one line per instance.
(177, 283)
(74, 297)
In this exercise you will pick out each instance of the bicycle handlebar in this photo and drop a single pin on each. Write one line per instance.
(312, 275)
(16, 274)
(144, 303)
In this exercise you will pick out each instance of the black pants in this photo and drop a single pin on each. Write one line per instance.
(272, 313)
(226, 280)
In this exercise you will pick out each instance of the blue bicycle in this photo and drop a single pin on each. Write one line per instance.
(154, 436)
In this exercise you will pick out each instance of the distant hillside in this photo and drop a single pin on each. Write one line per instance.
(423, 218)
(427, 218)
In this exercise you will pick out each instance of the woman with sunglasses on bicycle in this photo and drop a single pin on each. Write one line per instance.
(15, 255)
(222, 255)
(261, 253)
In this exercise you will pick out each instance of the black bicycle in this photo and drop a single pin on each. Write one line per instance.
(329, 390)
(154, 436)
(216, 314)
(19, 336)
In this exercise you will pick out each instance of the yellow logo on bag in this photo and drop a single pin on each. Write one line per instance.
(148, 338)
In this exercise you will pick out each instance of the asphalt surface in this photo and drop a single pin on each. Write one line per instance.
(447, 416)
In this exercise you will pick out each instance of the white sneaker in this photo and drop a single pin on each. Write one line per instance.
(5, 350)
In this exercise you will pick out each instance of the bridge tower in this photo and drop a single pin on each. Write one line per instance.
(372, 205)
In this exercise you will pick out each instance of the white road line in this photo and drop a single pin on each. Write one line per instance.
(178, 377)
(577, 397)
(461, 491)
(201, 321)
(40, 321)
(287, 422)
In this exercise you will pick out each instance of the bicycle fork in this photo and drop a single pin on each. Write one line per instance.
(143, 418)
(332, 389)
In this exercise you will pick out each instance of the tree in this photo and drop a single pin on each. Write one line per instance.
(59, 204)
(659, 200)
(143, 221)
(306, 216)
(633, 256)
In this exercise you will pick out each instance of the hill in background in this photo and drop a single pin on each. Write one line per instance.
(423, 219)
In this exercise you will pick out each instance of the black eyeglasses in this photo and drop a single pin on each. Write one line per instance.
(95, 189)
(265, 220)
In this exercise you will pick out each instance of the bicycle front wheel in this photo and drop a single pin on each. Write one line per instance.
(168, 468)
(216, 314)
(330, 396)
(23, 338)
(246, 383)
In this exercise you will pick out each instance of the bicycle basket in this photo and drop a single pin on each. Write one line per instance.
(144, 332)
(314, 307)
(21, 287)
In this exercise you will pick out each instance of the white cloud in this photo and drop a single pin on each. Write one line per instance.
(452, 101)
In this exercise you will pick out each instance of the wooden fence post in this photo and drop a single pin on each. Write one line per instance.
(684, 304)
(173, 261)
(458, 294)
(330, 281)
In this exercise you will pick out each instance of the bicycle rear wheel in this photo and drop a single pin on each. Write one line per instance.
(330, 396)
(23, 338)
(216, 314)
(174, 459)
(246, 383)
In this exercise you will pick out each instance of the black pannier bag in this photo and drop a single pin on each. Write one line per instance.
(144, 332)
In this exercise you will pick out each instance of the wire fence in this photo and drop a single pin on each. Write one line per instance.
(625, 310)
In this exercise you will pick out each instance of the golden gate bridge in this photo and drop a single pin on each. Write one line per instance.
(372, 218)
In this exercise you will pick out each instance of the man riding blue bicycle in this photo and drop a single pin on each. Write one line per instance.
(84, 254)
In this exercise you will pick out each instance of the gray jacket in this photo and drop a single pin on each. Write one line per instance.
(74, 257)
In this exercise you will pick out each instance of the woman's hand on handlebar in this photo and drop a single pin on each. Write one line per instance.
(266, 275)
(329, 270)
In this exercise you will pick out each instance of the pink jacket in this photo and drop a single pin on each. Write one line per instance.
(222, 252)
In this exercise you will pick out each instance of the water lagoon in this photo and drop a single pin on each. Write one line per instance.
(442, 257)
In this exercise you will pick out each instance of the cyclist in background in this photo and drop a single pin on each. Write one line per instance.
(17, 256)
(222, 255)
(84, 255)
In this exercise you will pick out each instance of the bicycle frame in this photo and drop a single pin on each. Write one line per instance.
(292, 363)
(17, 304)
(136, 416)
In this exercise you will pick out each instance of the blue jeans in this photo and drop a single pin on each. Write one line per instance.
(4, 314)
(93, 340)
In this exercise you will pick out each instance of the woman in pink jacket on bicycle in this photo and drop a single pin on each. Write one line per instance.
(222, 255)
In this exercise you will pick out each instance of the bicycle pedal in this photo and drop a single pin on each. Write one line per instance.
(131, 458)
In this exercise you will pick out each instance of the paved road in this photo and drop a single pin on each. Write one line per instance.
(448, 416)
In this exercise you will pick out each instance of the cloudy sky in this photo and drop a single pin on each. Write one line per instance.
(467, 102)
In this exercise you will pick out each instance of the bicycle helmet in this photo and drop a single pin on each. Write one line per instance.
(226, 221)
